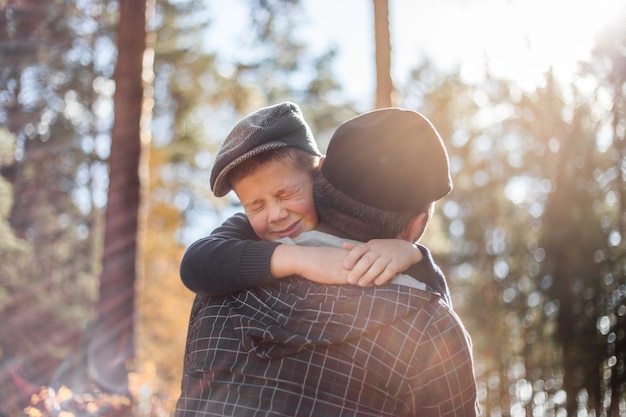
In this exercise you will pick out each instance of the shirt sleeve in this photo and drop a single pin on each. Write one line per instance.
(445, 384)
(233, 258)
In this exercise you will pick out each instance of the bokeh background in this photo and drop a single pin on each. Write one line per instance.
(111, 113)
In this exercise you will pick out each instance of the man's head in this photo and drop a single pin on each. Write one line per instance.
(269, 159)
(382, 170)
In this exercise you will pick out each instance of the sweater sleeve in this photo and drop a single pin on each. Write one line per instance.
(231, 259)
(430, 274)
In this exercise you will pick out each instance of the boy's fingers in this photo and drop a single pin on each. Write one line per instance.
(354, 256)
(374, 272)
(358, 270)
(384, 278)
(364, 267)
(387, 272)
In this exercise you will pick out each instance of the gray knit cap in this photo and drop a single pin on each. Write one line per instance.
(268, 128)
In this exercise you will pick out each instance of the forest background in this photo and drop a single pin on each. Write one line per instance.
(111, 115)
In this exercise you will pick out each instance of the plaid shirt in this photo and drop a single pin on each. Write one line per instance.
(297, 348)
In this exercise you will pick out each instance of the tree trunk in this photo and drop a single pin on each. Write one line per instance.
(112, 348)
(384, 86)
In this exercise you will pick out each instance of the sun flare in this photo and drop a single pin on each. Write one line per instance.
(516, 39)
(533, 36)
(560, 32)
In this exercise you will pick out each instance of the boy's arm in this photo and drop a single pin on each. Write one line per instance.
(321, 264)
(231, 259)
(378, 261)
(365, 264)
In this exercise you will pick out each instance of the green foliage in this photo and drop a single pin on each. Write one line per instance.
(11, 247)
(531, 238)
(10, 244)
(535, 225)
(55, 68)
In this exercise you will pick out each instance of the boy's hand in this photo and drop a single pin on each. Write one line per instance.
(323, 265)
(378, 261)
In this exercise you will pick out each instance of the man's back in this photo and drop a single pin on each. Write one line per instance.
(302, 349)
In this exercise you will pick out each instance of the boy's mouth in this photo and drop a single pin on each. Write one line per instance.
(289, 231)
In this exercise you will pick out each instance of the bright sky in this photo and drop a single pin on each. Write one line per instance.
(519, 38)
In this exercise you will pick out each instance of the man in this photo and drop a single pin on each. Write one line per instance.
(298, 348)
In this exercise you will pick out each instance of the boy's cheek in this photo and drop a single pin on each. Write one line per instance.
(258, 225)
(308, 213)
(310, 221)
(311, 224)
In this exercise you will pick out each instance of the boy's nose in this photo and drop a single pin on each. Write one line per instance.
(277, 212)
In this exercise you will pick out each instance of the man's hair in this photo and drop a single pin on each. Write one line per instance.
(357, 220)
(298, 158)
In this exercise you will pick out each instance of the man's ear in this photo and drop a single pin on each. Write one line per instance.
(321, 162)
(414, 229)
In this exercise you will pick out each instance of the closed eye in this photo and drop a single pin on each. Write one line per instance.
(254, 207)
(287, 194)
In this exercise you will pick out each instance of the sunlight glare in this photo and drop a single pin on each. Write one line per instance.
(518, 39)
(537, 35)
(559, 32)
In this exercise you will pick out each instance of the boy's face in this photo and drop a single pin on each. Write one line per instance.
(278, 199)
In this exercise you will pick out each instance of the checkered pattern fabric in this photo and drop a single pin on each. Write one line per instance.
(297, 348)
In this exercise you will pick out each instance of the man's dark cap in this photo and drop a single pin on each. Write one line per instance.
(266, 129)
(392, 159)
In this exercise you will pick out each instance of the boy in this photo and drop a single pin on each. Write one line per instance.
(270, 159)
